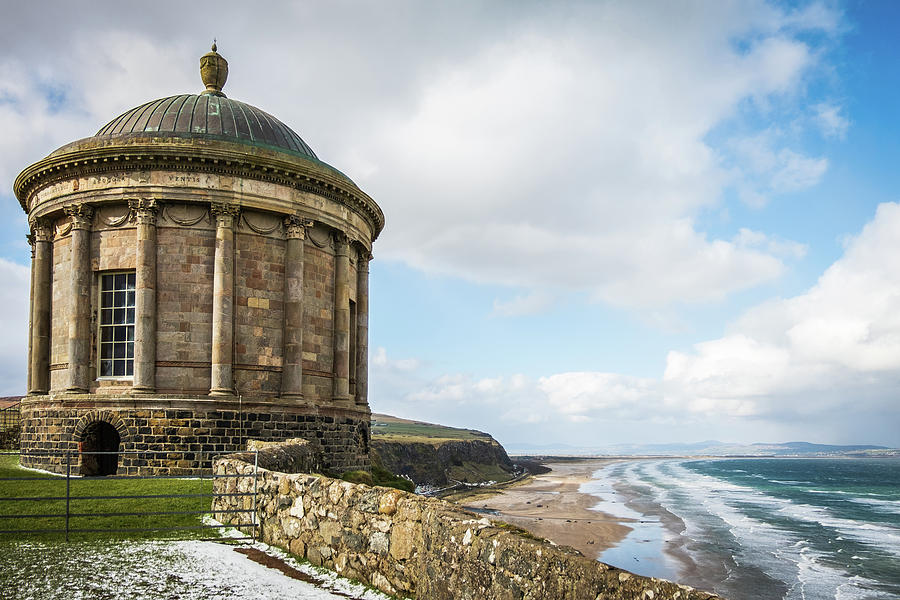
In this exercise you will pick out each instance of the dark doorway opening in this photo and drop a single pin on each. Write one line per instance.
(99, 437)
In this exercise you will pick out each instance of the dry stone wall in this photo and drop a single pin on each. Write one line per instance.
(412, 546)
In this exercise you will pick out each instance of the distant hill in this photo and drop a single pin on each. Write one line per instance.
(386, 427)
(711, 448)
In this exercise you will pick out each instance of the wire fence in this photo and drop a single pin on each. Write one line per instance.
(39, 503)
(10, 417)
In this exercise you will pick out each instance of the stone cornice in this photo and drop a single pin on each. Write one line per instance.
(95, 155)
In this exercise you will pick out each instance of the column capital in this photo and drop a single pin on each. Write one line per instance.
(144, 210)
(363, 256)
(82, 215)
(341, 242)
(31, 242)
(295, 227)
(41, 230)
(225, 213)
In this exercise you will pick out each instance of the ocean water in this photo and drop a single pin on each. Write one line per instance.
(795, 529)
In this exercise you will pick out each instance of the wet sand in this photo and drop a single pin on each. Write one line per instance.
(550, 506)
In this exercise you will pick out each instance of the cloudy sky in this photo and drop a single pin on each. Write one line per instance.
(607, 222)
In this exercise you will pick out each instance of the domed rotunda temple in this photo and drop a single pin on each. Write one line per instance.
(199, 278)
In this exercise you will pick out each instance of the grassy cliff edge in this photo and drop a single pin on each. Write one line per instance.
(437, 456)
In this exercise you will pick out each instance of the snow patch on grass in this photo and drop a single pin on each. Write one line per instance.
(149, 570)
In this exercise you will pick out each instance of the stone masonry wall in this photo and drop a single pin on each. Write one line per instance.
(318, 315)
(258, 314)
(413, 546)
(60, 304)
(184, 433)
(184, 309)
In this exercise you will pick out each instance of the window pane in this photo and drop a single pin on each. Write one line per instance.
(117, 315)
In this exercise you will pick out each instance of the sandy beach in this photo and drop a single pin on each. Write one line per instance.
(550, 506)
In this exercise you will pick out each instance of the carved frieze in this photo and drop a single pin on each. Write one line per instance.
(319, 236)
(184, 215)
(115, 215)
(261, 223)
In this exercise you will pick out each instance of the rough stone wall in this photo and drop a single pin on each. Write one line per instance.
(258, 313)
(184, 309)
(421, 547)
(190, 429)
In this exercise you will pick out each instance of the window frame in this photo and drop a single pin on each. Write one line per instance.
(101, 326)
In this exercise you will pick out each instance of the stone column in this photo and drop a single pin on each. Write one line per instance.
(362, 327)
(292, 373)
(145, 297)
(42, 263)
(222, 376)
(28, 382)
(341, 360)
(80, 299)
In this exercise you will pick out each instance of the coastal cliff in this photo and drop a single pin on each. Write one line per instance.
(435, 456)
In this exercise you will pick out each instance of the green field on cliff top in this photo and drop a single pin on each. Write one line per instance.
(86, 511)
(394, 429)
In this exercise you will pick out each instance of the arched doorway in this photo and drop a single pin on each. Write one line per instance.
(99, 436)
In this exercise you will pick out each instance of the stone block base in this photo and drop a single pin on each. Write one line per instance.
(179, 436)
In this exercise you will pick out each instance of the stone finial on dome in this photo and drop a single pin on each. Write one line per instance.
(213, 72)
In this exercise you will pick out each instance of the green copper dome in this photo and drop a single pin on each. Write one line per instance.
(208, 115)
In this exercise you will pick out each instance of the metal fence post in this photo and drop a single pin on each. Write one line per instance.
(68, 480)
(255, 521)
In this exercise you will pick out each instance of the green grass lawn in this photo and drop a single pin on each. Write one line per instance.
(84, 512)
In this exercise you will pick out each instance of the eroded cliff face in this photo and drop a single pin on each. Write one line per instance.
(442, 463)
